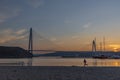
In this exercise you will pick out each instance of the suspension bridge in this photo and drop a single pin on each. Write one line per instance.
(31, 41)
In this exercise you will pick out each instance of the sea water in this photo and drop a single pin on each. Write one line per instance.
(58, 61)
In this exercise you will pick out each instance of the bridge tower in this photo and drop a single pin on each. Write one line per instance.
(94, 45)
(30, 45)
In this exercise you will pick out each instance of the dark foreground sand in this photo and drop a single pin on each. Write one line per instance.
(59, 73)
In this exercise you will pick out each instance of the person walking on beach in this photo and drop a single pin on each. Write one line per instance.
(85, 62)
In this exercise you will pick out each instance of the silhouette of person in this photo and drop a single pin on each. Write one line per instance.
(85, 62)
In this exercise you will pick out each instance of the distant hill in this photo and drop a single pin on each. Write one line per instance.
(14, 52)
(69, 53)
(81, 54)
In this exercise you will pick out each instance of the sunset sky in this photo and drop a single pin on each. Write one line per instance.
(71, 24)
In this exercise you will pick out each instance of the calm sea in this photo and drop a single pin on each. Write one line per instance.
(57, 61)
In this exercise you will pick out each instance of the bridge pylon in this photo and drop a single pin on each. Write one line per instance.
(30, 45)
(94, 45)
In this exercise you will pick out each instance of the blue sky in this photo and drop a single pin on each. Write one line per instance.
(72, 24)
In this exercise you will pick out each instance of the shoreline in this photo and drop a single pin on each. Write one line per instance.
(58, 73)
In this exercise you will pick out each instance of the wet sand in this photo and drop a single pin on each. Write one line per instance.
(59, 73)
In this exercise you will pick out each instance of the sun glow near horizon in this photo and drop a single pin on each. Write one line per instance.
(115, 47)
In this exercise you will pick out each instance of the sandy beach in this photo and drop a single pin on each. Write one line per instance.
(59, 73)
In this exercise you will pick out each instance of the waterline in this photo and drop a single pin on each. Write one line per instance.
(57, 61)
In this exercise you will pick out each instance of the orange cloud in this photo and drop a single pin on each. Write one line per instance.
(114, 47)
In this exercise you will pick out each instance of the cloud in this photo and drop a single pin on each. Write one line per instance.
(53, 39)
(114, 45)
(7, 12)
(87, 25)
(75, 37)
(10, 35)
(22, 31)
(35, 3)
(12, 8)
(60, 43)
